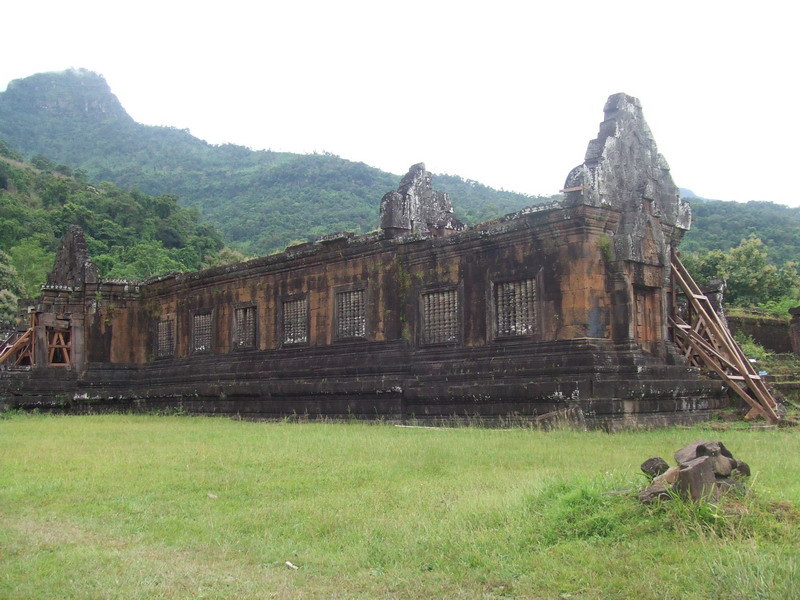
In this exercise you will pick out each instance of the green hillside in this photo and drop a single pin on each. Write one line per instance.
(130, 234)
(260, 200)
(718, 225)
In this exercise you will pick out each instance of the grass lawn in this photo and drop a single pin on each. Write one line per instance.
(123, 506)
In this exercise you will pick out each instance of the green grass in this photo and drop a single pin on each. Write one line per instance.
(119, 506)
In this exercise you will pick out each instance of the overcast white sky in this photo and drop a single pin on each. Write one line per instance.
(508, 93)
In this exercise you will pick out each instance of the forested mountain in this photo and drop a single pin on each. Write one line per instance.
(719, 225)
(754, 247)
(688, 194)
(260, 200)
(129, 234)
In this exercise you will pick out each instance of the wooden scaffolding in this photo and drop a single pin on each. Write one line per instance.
(59, 347)
(705, 340)
(18, 350)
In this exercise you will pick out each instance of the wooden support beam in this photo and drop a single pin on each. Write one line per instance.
(705, 339)
(17, 345)
(59, 350)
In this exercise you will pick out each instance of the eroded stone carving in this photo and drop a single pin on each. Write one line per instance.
(416, 208)
(73, 266)
(623, 170)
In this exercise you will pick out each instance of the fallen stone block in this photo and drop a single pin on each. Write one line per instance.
(668, 477)
(696, 479)
(572, 417)
(653, 467)
(701, 448)
(722, 465)
(655, 491)
(742, 469)
(726, 485)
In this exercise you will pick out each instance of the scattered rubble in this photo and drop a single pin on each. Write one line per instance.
(572, 418)
(705, 470)
(655, 466)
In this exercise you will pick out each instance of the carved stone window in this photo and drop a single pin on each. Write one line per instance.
(202, 331)
(351, 315)
(515, 308)
(295, 321)
(440, 320)
(165, 338)
(244, 327)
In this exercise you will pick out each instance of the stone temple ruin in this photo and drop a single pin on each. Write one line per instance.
(559, 306)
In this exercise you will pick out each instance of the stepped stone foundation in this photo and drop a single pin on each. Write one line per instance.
(557, 307)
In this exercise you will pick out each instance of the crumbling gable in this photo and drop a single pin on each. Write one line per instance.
(417, 208)
(73, 266)
(623, 170)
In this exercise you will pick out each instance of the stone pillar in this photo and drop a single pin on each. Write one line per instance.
(715, 291)
(40, 350)
(77, 337)
(794, 329)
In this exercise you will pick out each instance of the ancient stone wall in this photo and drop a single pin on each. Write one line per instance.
(770, 332)
(552, 253)
(794, 329)
(553, 307)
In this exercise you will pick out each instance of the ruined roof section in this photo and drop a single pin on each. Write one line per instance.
(73, 266)
(416, 207)
(624, 170)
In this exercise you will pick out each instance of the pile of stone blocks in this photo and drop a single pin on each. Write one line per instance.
(705, 471)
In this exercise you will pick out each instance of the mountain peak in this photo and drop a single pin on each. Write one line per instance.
(262, 200)
(75, 93)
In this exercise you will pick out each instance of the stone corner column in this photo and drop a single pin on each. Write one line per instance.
(794, 329)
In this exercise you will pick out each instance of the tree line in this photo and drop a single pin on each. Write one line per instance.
(129, 234)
